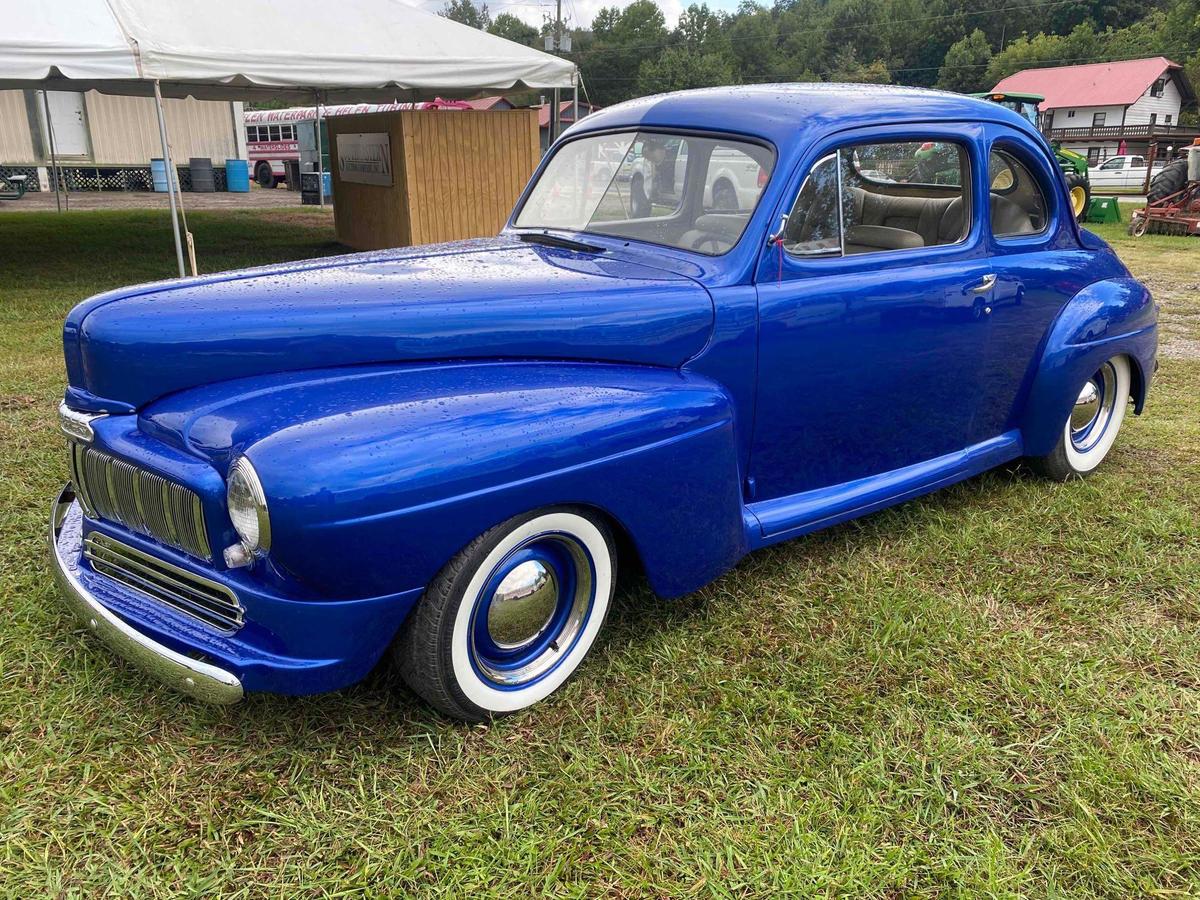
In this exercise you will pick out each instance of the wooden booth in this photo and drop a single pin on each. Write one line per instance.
(420, 177)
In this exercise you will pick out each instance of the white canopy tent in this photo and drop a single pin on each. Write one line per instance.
(257, 50)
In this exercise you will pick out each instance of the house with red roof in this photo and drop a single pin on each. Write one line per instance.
(1105, 109)
(566, 115)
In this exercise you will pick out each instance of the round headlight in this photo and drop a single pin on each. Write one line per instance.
(248, 506)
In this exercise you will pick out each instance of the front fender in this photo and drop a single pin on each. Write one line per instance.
(376, 477)
(1103, 320)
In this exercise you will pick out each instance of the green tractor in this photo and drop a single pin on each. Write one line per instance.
(1074, 165)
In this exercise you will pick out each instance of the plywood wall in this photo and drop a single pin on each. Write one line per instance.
(458, 175)
(16, 141)
(368, 216)
(124, 130)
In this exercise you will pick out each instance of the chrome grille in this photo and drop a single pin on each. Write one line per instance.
(185, 591)
(113, 489)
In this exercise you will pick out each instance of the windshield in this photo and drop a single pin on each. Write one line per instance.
(1026, 108)
(686, 191)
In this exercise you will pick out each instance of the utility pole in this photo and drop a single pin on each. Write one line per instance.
(556, 110)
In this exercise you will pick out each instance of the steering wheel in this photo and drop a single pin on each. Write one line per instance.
(715, 240)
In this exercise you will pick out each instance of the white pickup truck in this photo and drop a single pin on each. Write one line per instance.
(1120, 172)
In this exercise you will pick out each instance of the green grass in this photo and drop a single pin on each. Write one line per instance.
(994, 690)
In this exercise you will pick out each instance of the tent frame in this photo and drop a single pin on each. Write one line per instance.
(172, 178)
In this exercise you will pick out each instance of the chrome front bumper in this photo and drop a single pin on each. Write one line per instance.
(199, 679)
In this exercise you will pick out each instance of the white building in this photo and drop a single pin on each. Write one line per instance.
(1104, 109)
(106, 142)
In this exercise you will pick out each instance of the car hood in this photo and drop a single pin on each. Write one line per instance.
(497, 298)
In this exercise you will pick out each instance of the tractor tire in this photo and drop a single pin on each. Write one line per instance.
(1169, 181)
(1079, 189)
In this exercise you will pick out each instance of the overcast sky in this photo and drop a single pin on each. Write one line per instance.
(578, 12)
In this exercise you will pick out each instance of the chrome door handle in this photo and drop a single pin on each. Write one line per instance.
(986, 283)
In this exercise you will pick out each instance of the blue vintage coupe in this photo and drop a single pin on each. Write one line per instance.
(716, 320)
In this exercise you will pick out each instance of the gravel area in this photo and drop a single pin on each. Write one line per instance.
(257, 198)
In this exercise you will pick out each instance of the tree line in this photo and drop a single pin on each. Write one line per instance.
(950, 44)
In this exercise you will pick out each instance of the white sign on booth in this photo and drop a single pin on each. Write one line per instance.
(365, 158)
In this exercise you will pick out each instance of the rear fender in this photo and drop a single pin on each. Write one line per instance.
(1107, 318)
(376, 478)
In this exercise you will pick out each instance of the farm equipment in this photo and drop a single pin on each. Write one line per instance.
(1074, 165)
(1173, 201)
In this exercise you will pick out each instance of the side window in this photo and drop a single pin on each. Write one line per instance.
(1018, 204)
(733, 180)
(872, 198)
(1117, 162)
(251, 132)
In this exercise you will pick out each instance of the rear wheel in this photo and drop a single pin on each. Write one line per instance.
(1080, 190)
(1169, 181)
(512, 616)
(1092, 427)
(724, 196)
(263, 175)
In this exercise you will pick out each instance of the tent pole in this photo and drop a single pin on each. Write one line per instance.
(320, 160)
(53, 155)
(169, 165)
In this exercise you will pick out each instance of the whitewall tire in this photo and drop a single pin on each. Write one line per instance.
(1091, 428)
(512, 616)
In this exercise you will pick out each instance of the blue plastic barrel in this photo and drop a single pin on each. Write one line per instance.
(237, 176)
(158, 171)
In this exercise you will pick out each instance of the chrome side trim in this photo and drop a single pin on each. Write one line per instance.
(198, 679)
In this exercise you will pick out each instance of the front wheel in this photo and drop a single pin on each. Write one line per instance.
(511, 616)
(638, 201)
(1092, 427)
(1080, 190)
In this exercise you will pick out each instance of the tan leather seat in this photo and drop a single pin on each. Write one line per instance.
(938, 220)
(923, 215)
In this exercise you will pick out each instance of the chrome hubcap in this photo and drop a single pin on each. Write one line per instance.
(523, 605)
(532, 609)
(1094, 409)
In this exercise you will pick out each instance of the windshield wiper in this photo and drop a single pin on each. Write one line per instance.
(552, 240)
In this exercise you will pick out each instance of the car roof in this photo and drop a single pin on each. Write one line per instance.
(780, 113)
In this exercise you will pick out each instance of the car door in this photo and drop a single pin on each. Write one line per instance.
(1135, 172)
(1038, 267)
(869, 340)
(1109, 174)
